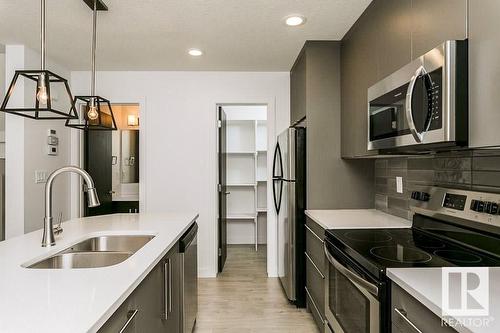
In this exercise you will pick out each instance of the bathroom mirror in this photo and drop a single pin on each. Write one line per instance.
(129, 156)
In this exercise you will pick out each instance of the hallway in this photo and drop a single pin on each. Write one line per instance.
(243, 300)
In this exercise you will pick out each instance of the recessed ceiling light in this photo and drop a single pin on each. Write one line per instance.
(295, 20)
(195, 52)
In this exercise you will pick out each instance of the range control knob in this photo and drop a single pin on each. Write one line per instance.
(420, 196)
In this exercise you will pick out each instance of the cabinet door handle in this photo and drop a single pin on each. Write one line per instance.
(166, 287)
(130, 316)
(403, 314)
(314, 265)
(169, 285)
(314, 234)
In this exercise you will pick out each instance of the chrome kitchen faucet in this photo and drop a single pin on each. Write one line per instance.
(48, 238)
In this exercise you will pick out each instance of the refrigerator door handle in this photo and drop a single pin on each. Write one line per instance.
(277, 157)
(276, 196)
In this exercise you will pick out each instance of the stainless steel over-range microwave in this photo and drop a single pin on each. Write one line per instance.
(424, 104)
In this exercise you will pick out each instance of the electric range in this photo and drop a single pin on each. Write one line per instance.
(450, 228)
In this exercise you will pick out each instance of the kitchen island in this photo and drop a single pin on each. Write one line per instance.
(80, 299)
(425, 285)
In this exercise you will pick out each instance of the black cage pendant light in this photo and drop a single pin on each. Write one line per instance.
(96, 110)
(52, 92)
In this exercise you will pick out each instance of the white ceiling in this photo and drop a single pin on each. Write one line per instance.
(239, 35)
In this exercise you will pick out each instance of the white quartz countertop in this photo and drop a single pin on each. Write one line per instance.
(425, 285)
(79, 300)
(356, 219)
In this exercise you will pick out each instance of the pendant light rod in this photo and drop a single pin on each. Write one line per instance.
(93, 48)
(42, 35)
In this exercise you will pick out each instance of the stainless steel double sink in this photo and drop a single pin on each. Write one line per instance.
(99, 251)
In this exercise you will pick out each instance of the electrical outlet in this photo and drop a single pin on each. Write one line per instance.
(399, 184)
(40, 176)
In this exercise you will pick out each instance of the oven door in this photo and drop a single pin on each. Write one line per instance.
(352, 298)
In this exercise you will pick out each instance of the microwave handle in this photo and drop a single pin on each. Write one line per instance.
(370, 287)
(419, 137)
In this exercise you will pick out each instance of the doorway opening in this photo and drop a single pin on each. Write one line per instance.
(112, 159)
(243, 183)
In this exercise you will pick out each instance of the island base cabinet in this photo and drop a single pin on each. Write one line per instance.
(123, 320)
(155, 305)
(408, 315)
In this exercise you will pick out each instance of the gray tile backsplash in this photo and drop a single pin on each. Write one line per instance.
(477, 170)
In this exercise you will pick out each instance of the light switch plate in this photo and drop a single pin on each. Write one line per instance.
(52, 150)
(40, 176)
(399, 184)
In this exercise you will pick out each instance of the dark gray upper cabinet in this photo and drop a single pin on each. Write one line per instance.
(484, 71)
(359, 70)
(394, 24)
(435, 21)
(298, 89)
(327, 174)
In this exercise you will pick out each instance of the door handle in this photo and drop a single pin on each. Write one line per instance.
(226, 193)
(166, 286)
(419, 137)
(130, 316)
(370, 287)
(404, 315)
(167, 280)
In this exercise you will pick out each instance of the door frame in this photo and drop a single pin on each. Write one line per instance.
(77, 158)
(221, 193)
(271, 228)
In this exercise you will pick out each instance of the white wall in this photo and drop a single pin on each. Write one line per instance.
(178, 121)
(26, 152)
(2, 92)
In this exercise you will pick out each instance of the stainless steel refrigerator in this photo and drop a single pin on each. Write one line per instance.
(289, 191)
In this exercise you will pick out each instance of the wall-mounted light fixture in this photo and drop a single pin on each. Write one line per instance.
(132, 120)
(96, 110)
(44, 83)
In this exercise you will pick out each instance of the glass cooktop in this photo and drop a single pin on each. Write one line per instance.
(378, 249)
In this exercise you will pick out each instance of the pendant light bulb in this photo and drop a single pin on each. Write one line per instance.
(92, 114)
(42, 96)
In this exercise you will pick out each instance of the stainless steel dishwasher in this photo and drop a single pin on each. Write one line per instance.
(189, 278)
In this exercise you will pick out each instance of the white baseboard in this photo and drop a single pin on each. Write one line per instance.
(206, 273)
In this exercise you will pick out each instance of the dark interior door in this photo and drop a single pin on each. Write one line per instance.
(98, 165)
(222, 190)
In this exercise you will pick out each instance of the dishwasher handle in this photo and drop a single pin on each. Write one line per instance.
(188, 238)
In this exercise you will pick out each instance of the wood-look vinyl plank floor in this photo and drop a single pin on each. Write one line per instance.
(243, 299)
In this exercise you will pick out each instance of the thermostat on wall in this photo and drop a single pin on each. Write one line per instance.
(52, 140)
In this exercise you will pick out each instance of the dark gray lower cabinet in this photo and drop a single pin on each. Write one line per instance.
(156, 301)
(123, 320)
(410, 316)
(315, 272)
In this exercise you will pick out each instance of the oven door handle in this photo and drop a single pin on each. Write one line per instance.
(353, 277)
(419, 137)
